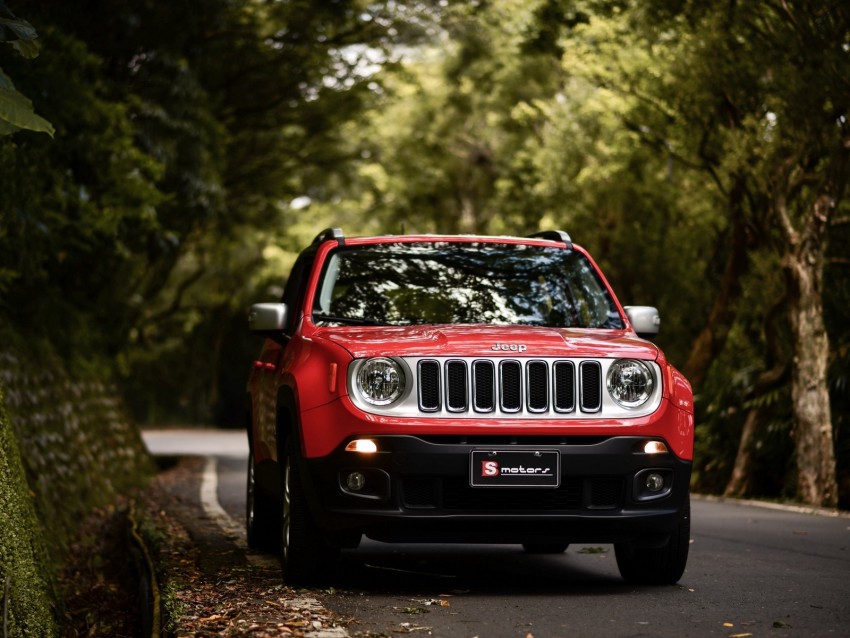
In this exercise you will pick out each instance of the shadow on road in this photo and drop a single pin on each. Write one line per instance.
(485, 569)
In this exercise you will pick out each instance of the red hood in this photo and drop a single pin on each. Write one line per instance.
(482, 341)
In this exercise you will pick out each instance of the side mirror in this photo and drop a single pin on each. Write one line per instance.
(644, 319)
(268, 319)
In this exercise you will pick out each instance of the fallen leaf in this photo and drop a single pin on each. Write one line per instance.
(740, 636)
(409, 628)
(728, 624)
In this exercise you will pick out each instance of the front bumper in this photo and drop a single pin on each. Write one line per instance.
(417, 489)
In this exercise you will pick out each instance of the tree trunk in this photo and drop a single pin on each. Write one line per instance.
(712, 338)
(741, 481)
(813, 437)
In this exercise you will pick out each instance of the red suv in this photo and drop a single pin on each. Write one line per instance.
(436, 388)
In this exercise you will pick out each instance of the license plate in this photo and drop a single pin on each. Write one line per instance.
(515, 468)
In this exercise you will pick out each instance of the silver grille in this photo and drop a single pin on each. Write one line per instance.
(509, 386)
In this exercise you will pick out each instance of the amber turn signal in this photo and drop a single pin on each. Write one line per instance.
(364, 446)
(655, 447)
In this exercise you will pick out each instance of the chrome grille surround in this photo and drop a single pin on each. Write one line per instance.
(507, 388)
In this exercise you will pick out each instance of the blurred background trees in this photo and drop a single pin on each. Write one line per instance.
(699, 150)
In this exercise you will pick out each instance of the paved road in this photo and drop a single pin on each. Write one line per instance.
(753, 571)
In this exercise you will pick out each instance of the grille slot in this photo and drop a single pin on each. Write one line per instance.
(429, 386)
(564, 373)
(591, 386)
(456, 386)
(511, 385)
(484, 374)
(538, 386)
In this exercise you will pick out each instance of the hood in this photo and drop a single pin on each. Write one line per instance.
(487, 341)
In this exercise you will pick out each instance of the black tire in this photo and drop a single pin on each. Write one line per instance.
(657, 565)
(545, 548)
(262, 515)
(305, 557)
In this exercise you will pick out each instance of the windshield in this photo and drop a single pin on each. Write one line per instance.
(462, 283)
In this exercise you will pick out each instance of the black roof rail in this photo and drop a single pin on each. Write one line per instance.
(330, 233)
(553, 235)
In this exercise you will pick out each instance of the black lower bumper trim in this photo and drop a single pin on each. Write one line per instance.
(418, 490)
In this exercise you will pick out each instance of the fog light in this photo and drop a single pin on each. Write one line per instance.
(364, 446)
(355, 481)
(654, 482)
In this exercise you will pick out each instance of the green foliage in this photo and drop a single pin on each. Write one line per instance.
(16, 111)
(77, 211)
(453, 142)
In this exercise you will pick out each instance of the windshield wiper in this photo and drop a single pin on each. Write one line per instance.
(358, 321)
(354, 321)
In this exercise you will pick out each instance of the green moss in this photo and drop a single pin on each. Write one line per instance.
(78, 448)
(25, 572)
(66, 447)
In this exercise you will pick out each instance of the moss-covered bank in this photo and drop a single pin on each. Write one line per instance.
(66, 447)
(25, 571)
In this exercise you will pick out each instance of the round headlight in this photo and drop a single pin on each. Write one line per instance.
(630, 382)
(380, 381)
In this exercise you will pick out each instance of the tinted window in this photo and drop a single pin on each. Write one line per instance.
(477, 283)
(296, 286)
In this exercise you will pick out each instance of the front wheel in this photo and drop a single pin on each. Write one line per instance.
(306, 558)
(657, 565)
(262, 514)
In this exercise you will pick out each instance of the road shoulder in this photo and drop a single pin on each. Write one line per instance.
(207, 584)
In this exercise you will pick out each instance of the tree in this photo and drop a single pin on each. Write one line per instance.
(766, 90)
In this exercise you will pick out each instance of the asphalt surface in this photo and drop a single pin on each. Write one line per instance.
(753, 571)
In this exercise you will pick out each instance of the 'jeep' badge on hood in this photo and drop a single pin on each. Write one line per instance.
(509, 347)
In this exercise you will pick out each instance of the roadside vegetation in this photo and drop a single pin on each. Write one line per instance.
(161, 164)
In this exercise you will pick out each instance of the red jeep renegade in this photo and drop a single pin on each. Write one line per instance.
(435, 388)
